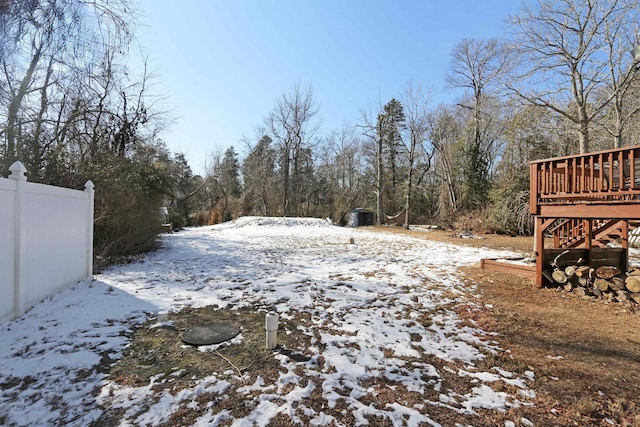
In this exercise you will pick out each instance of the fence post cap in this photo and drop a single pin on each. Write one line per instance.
(18, 171)
(88, 186)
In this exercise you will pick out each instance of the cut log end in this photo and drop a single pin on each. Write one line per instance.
(601, 284)
(607, 272)
(547, 275)
(559, 276)
(632, 283)
(570, 271)
(582, 271)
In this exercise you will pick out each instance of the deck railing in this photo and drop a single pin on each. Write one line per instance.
(612, 175)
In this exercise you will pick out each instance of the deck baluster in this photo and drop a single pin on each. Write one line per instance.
(611, 180)
(622, 179)
(632, 169)
(591, 173)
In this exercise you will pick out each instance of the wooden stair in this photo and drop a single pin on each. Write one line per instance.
(634, 237)
(572, 233)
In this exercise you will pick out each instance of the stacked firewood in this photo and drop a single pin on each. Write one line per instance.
(607, 282)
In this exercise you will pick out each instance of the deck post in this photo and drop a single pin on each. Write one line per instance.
(625, 243)
(539, 250)
(533, 188)
(588, 234)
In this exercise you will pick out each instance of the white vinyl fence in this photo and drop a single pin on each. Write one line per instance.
(46, 240)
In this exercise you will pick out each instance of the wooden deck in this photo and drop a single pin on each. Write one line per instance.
(604, 184)
(586, 203)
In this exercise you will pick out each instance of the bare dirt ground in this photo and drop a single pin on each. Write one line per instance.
(585, 352)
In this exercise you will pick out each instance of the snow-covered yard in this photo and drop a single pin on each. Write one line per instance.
(368, 302)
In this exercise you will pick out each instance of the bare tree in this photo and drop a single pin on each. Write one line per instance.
(565, 57)
(621, 71)
(292, 127)
(70, 113)
(45, 46)
(445, 129)
(383, 133)
(478, 66)
(341, 171)
(375, 144)
(416, 103)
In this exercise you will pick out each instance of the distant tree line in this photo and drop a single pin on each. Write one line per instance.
(562, 81)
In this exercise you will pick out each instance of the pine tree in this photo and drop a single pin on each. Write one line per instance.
(391, 122)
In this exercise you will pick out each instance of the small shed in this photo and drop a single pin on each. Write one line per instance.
(359, 217)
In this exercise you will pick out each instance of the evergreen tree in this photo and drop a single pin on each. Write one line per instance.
(259, 175)
(230, 173)
(391, 122)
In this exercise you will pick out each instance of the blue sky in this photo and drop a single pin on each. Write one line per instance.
(223, 64)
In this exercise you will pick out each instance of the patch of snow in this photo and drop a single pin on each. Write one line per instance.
(380, 307)
(555, 357)
(526, 422)
(168, 323)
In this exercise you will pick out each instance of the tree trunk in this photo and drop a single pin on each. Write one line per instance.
(407, 205)
(379, 183)
(285, 189)
(583, 133)
(14, 108)
(265, 204)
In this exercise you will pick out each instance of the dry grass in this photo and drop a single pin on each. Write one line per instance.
(514, 243)
(161, 351)
(585, 354)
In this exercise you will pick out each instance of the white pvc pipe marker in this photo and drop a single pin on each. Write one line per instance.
(271, 325)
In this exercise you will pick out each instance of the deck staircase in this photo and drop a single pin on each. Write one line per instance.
(572, 233)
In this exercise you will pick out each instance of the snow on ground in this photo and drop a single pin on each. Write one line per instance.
(365, 299)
